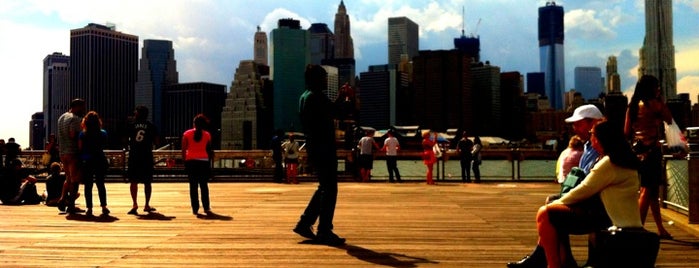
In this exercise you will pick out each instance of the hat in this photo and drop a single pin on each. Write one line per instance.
(585, 111)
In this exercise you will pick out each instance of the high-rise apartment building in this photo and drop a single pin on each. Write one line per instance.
(403, 39)
(321, 45)
(657, 56)
(344, 46)
(103, 71)
(158, 69)
(513, 105)
(332, 89)
(290, 55)
(260, 47)
(486, 99)
(56, 94)
(551, 60)
(588, 81)
(613, 81)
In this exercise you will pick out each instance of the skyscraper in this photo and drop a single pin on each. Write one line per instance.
(588, 81)
(244, 114)
(613, 80)
(403, 39)
(103, 71)
(56, 90)
(344, 46)
(158, 68)
(380, 89)
(260, 48)
(290, 55)
(183, 101)
(551, 59)
(657, 56)
(321, 46)
(37, 131)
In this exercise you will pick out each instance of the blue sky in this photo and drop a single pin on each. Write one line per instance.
(212, 36)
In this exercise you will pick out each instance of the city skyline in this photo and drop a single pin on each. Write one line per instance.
(211, 37)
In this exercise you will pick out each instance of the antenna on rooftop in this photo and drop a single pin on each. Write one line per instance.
(463, 21)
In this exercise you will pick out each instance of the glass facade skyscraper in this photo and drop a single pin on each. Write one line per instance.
(551, 60)
(290, 55)
(403, 39)
(158, 68)
(56, 91)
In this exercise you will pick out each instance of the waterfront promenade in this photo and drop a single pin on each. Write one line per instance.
(392, 225)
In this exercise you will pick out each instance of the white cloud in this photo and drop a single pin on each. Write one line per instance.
(587, 25)
(694, 4)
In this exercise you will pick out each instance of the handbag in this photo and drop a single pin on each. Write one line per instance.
(574, 177)
(674, 137)
(626, 247)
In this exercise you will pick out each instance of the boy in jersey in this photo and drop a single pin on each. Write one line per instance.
(142, 137)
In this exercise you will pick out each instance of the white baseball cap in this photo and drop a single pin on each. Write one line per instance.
(585, 111)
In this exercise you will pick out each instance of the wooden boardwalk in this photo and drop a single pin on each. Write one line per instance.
(395, 225)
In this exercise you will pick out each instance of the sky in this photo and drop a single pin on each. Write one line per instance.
(211, 37)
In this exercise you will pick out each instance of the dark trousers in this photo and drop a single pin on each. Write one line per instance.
(93, 172)
(278, 169)
(392, 165)
(322, 204)
(199, 173)
(465, 169)
(477, 171)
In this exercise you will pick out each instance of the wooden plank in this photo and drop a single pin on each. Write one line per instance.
(399, 225)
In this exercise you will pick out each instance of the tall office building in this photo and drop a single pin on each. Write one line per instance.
(486, 97)
(290, 55)
(344, 46)
(181, 102)
(588, 81)
(332, 90)
(657, 56)
(56, 94)
(613, 81)
(551, 59)
(37, 131)
(535, 83)
(260, 47)
(381, 88)
(443, 94)
(103, 71)
(321, 46)
(245, 114)
(158, 68)
(513, 105)
(403, 39)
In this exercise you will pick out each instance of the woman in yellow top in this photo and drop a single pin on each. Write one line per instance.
(608, 196)
(644, 119)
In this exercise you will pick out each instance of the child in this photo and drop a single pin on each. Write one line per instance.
(569, 158)
(54, 184)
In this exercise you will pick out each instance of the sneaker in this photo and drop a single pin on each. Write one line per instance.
(330, 239)
(133, 211)
(61, 205)
(88, 212)
(306, 232)
(105, 211)
(74, 210)
(148, 209)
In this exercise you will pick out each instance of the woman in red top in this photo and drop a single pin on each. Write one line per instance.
(428, 156)
(197, 154)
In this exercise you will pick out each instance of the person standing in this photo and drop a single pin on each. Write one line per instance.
(464, 148)
(644, 118)
(291, 159)
(68, 130)
(477, 160)
(428, 156)
(142, 137)
(316, 112)
(91, 142)
(366, 155)
(391, 147)
(197, 153)
(276, 146)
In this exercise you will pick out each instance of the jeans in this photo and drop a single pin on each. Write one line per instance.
(322, 204)
(199, 173)
(465, 169)
(94, 171)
